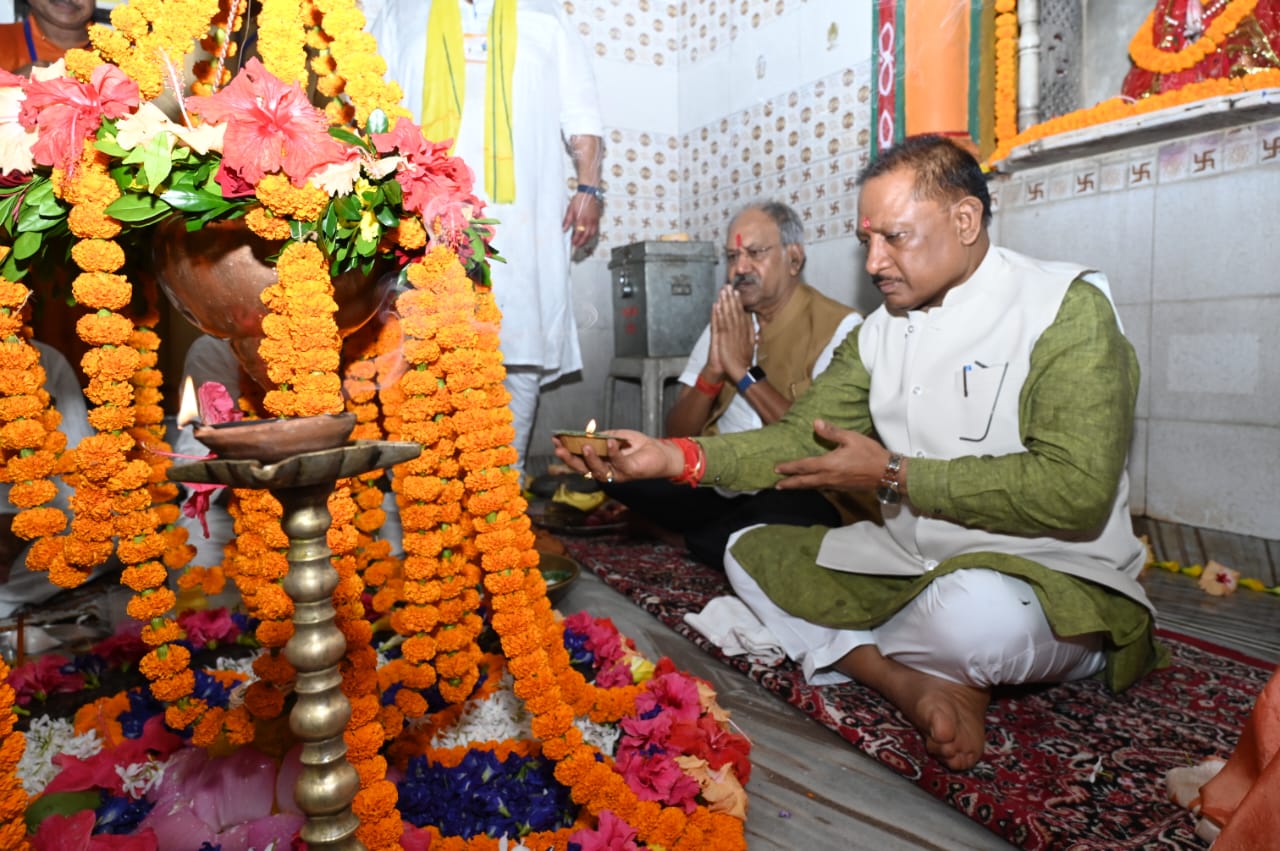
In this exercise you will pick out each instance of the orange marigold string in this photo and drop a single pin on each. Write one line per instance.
(13, 798)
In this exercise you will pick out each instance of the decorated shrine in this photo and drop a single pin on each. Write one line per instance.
(302, 152)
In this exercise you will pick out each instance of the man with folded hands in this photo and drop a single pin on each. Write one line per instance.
(769, 334)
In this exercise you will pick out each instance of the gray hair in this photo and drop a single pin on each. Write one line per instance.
(790, 228)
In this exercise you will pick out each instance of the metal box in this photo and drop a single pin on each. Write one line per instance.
(662, 296)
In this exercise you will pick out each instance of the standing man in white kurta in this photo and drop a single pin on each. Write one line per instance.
(550, 99)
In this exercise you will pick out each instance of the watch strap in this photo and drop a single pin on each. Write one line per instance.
(890, 490)
(752, 375)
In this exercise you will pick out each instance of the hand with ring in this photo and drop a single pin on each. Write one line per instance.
(643, 457)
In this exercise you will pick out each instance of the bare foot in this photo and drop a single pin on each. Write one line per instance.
(950, 716)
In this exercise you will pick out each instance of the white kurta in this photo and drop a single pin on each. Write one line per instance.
(740, 416)
(555, 98)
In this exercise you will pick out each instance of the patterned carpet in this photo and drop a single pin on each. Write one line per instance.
(1067, 767)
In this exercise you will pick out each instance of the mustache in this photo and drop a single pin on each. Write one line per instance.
(877, 280)
(740, 279)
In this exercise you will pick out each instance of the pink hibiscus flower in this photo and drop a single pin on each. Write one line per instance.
(657, 777)
(75, 833)
(611, 834)
(42, 677)
(676, 692)
(208, 628)
(99, 770)
(271, 127)
(124, 647)
(645, 735)
(65, 112)
(437, 186)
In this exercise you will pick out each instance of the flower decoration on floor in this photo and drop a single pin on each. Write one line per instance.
(99, 154)
(462, 770)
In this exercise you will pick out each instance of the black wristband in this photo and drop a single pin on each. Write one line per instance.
(594, 191)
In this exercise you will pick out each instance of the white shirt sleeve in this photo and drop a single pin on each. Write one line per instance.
(853, 320)
(579, 104)
(697, 358)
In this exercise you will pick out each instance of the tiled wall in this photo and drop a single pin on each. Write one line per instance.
(1184, 231)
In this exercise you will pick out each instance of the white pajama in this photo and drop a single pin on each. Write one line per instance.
(523, 383)
(974, 627)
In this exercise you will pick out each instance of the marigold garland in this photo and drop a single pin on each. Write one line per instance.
(461, 507)
(1118, 108)
(1148, 55)
(13, 798)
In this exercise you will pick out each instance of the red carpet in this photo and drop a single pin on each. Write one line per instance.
(1067, 767)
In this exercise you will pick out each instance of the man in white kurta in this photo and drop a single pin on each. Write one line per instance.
(554, 103)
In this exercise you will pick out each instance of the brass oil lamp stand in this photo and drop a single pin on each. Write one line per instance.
(327, 783)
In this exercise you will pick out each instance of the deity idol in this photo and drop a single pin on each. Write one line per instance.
(1188, 41)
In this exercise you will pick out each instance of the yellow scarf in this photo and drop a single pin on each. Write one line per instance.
(445, 83)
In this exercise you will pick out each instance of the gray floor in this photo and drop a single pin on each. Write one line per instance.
(811, 790)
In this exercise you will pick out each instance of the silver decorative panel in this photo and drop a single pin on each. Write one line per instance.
(1061, 57)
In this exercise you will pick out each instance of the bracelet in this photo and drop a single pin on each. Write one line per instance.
(594, 191)
(694, 462)
(706, 388)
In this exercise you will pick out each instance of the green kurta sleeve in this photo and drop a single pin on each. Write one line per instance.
(1076, 420)
(746, 460)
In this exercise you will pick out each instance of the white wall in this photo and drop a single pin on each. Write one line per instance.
(1184, 231)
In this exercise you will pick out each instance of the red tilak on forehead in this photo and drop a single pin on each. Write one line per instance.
(738, 237)
(866, 222)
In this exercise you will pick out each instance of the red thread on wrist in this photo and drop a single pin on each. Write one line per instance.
(706, 388)
(694, 462)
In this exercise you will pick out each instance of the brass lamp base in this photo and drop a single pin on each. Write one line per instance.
(327, 783)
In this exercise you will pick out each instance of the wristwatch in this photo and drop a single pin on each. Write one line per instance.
(753, 375)
(888, 492)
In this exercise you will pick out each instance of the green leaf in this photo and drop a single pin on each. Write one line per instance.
(26, 245)
(342, 134)
(192, 200)
(30, 219)
(61, 804)
(377, 122)
(110, 147)
(157, 159)
(10, 269)
(387, 217)
(393, 193)
(349, 207)
(134, 208)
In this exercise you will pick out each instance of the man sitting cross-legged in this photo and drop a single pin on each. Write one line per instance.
(989, 404)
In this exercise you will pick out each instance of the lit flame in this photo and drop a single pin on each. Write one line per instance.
(591, 427)
(189, 410)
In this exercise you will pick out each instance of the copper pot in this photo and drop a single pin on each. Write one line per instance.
(215, 276)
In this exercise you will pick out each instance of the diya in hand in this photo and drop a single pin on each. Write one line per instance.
(575, 441)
